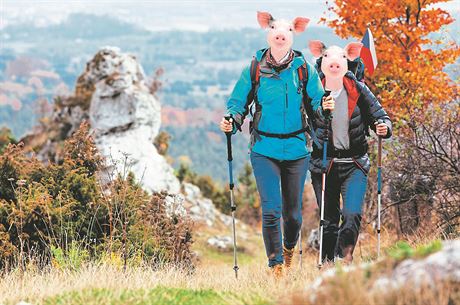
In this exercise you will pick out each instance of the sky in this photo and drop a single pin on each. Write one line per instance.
(199, 15)
(195, 15)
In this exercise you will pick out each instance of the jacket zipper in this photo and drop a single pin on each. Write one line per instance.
(285, 108)
(285, 111)
(286, 96)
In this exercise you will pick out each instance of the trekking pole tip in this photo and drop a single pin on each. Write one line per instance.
(236, 271)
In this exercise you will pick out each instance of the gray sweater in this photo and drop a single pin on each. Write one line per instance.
(339, 122)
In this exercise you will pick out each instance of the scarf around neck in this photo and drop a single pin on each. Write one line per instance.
(284, 62)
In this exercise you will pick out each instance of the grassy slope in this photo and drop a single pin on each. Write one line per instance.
(158, 295)
(212, 282)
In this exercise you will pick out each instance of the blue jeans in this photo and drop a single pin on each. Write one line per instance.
(348, 180)
(280, 185)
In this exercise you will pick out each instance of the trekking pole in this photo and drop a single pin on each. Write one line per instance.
(379, 189)
(300, 247)
(232, 203)
(327, 115)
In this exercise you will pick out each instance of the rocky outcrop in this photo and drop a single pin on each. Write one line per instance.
(439, 267)
(202, 209)
(126, 118)
(221, 243)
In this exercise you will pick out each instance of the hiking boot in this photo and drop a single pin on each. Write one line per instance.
(277, 271)
(287, 255)
(347, 258)
(348, 255)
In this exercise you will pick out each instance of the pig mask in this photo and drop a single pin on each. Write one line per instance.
(280, 32)
(334, 62)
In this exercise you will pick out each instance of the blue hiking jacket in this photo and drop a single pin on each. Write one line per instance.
(280, 98)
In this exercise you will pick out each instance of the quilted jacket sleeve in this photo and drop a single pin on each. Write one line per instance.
(374, 109)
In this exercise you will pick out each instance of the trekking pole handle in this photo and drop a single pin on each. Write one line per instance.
(229, 140)
(379, 148)
(327, 112)
(379, 121)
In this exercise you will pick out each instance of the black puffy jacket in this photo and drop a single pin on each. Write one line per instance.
(365, 110)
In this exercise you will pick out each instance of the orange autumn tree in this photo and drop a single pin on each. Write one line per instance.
(409, 76)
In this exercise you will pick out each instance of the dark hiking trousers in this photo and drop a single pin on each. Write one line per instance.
(348, 180)
(280, 185)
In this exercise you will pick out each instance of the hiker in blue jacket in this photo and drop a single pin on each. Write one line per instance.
(277, 80)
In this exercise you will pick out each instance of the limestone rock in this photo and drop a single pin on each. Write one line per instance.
(125, 119)
(222, 243)
(440, 266)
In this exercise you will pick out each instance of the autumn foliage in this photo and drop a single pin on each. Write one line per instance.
(411, 54)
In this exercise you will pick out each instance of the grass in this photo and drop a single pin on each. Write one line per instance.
(213, 281)
(249, 244)
(156, 296)
(110, 285)
(402, 250)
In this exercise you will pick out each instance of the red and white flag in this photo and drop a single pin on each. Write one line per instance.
(368, 54)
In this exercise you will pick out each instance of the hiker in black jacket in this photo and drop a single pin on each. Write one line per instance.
(355, 110)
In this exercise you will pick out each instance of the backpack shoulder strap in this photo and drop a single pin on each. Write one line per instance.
(303, 79)
(255, 80)
(303, 73)
(255, 70)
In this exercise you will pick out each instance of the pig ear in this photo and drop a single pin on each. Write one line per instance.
(264, 19)
(316, 48)
(300, 23)
(353, 49)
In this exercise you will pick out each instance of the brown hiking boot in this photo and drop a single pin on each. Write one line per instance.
(348, 255)
(287, 255)
(277, 271)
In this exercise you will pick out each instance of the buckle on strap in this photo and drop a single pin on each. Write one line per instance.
(349, 153)
(281, 135)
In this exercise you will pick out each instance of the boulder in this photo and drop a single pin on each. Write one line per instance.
(125, 118)
(221, 243)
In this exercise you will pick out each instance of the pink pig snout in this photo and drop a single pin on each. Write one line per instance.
(280, 37)
(334, 67)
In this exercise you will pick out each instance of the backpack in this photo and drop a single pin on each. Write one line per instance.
(307, 117)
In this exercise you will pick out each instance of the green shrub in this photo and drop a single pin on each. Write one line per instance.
(402, 250)
(71, 258)
(62, 212)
